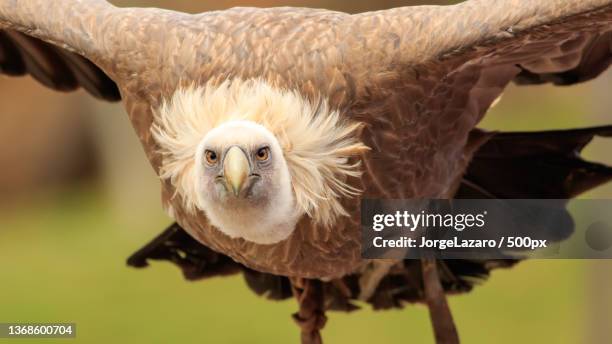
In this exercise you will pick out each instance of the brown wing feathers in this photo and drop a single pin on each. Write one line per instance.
(52, 66)
(595, 58)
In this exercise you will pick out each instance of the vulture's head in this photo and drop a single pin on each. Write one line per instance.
(255, 158)
(242, 179)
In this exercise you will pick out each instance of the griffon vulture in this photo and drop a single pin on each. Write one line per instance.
(267, 127)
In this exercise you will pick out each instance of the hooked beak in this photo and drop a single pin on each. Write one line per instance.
(236, 169)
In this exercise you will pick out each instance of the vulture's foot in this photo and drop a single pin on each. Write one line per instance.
(444, 328)
(311, 315)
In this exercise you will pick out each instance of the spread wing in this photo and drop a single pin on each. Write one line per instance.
(27, 27)
(462, 56)
(441, 67)
(67, 44)
(52, 66)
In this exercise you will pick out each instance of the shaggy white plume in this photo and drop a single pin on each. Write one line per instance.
(316, 142)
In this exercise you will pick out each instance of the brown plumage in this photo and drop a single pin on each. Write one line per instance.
(419, 79)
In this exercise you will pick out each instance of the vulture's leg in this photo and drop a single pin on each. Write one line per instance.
(311, 315)
(439, 312)
(370, 278)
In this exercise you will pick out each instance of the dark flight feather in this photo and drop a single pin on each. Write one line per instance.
(52, 66)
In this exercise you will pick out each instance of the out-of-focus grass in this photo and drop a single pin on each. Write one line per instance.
(64, 261)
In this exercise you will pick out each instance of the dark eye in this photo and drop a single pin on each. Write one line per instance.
(211, 157)
(263, 154)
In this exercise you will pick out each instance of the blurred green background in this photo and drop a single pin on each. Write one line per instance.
(77, 197)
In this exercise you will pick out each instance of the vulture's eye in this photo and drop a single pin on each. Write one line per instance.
(211, 157)
(263, 154)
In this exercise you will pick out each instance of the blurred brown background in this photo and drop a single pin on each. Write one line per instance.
(77, 197)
